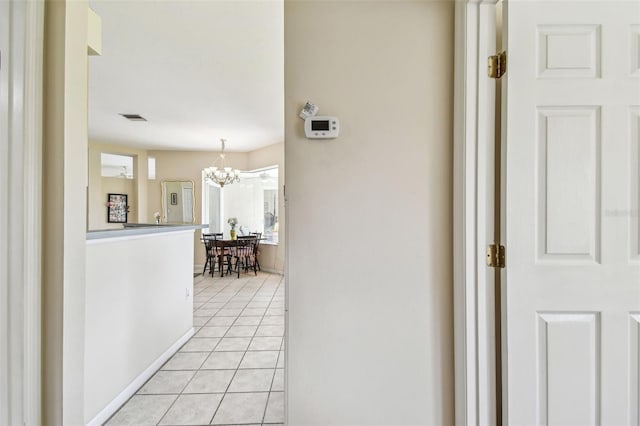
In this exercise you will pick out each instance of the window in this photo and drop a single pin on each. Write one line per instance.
(151, 165)
(114, 165)
(253, 201)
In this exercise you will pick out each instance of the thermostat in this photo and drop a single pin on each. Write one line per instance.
(321, 127)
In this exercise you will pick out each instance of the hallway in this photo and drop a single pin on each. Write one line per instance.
(231, 372)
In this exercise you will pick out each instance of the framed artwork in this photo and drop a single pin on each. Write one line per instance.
(174, 198)
(117, 208)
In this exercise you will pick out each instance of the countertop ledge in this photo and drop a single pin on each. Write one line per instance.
(140, 229)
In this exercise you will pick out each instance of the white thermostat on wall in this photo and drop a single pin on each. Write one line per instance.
(321, 127)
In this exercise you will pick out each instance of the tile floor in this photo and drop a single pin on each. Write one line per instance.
(231, 372)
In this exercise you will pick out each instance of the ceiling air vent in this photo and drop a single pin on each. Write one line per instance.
(134, 117)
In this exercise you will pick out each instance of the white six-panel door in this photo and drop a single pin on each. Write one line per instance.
(572, 280)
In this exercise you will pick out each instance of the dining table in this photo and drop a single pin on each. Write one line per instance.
(225, 243)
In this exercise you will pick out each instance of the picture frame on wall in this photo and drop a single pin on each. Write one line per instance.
(117, 208)
(174, 198)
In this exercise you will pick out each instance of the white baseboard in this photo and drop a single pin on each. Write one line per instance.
(272, 271)
(131, 389)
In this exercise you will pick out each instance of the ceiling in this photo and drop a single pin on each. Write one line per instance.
(197, 71)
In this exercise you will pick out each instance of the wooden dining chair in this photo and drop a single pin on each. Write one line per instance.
(212, 251)
(207, 241)
(256, 247)
(243, 258)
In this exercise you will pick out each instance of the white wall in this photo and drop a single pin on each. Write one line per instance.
(369, 214)
(139, 302)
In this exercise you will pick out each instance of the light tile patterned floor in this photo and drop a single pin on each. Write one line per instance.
(231, 372)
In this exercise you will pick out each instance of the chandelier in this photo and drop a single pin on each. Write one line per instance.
(219, 173)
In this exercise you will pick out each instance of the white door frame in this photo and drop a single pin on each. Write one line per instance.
(20, 211)
(474, 122)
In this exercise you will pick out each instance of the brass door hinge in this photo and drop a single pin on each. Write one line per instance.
(495, 256)
(497, 65)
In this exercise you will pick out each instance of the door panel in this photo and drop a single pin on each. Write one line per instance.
(572, 292)
(568, 51)
(568, 367)
(567, 162)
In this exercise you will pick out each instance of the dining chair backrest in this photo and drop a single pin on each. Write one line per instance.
(244, 254)
(211, 251)
(258, 237)
(209, 241)
(212, 234)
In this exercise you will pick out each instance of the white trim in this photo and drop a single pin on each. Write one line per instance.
(271, 271)
(137, 383)
(154, 233)
(34, 38)
(475, 28)
(5, 390)
(287, 244)
(20, 212)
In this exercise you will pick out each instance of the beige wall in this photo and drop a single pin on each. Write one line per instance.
(64, 213)
(113, 185)
(99, 187)
(187, 165)
(146, 194)
(369, 214)
(369, 333)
